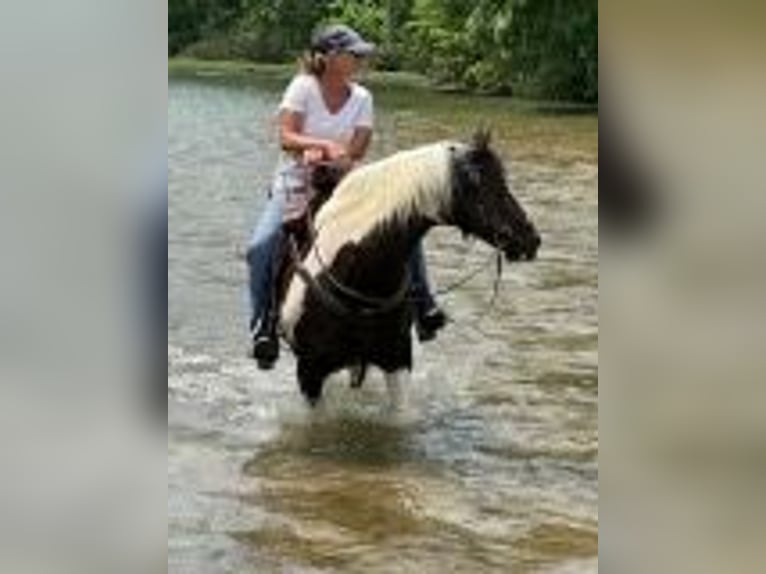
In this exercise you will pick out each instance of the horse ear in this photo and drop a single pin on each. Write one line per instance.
(482, 138)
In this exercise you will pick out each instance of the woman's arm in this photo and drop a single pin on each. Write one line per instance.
(360, 143)
(293, 139)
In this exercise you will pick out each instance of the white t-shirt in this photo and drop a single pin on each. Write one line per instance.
(304, 96)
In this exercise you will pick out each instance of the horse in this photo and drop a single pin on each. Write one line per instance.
(346, 306)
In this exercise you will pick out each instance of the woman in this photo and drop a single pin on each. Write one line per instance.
(324, 116)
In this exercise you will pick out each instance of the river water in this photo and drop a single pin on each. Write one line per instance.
(492, 465)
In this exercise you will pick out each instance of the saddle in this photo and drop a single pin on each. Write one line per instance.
(302, 203)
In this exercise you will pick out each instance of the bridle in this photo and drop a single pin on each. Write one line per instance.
(340, 298)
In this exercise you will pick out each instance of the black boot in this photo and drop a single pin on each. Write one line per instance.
(428, 322)
(266, 343)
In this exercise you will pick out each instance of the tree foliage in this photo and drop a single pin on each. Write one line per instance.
(537, 48)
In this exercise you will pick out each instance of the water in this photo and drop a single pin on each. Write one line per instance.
(493, 464)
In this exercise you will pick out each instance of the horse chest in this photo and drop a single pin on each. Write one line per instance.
(335, 338)
(334, 341)
(294, 305)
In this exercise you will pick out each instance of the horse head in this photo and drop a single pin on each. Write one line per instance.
(483, 204)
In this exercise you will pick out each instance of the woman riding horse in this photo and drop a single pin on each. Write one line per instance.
(324, 116)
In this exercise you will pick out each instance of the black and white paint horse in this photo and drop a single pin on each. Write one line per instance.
(347, 307)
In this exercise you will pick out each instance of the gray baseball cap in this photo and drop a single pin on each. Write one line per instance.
(339, 38)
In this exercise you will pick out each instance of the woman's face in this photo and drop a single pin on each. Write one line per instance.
(344, 65)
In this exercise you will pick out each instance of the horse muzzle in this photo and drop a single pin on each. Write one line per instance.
(518, 247)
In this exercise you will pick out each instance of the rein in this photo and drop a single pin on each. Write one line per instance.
(495, 257)
(361, 304)
(370, 306)
(373, 305)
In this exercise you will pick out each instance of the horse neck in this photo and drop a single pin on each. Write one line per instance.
(378, 263)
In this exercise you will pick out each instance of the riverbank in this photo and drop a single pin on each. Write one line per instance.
(197, 67)
(374, 78)
(418, 107)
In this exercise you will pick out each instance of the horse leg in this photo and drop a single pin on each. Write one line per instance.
(394, 385)
(311, 379)
(357, 374)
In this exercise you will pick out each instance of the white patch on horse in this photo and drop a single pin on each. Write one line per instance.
(413, 181)
(395, 383)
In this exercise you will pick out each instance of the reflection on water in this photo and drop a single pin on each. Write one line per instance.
(492, 466)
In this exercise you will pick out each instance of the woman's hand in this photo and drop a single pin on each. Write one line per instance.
(313, 156)
(334, 151)
(330, 152)
(339, 156)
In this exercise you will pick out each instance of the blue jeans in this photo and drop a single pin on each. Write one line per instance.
(261, 260)
(261, 256)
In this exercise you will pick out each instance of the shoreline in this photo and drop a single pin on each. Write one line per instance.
(180, 66)
(233, 68)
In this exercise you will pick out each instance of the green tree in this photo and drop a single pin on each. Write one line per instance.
(536, 48)
(438, 44)
(276, 30)
(192, 20)
(555, 52)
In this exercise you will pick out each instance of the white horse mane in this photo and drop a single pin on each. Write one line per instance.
(408, 182)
